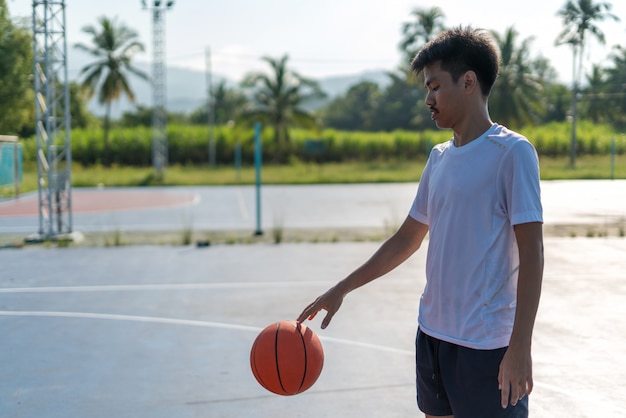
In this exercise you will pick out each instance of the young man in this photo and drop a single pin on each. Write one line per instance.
(479, 199)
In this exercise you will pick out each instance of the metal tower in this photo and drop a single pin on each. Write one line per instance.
(159, 116)
(52, 123)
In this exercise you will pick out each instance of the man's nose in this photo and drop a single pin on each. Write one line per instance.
(429, 101)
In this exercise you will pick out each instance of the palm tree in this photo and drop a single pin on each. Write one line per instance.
(616, 86)
(277, 100)
(227, 103)
(427, 24)
(579, 17)
(113, 44)
(515, 99)
(358, 109)
(401, 104)
(595, 88)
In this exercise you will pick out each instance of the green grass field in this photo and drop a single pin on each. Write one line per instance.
(588, 167)
(591, 167)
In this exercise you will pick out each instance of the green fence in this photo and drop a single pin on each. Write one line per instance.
(10, 161)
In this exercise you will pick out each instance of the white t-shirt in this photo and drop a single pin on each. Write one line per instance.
(470, 197)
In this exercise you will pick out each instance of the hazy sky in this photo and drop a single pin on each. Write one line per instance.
(322, 37)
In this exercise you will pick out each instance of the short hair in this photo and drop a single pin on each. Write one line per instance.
(460, 50)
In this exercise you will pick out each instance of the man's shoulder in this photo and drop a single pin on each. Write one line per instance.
(506, 138)
(441, 147)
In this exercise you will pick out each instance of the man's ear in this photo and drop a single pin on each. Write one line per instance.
(470, 81)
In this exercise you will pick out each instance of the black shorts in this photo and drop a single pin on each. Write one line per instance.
(460, 381)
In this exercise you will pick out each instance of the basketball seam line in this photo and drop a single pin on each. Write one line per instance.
(298, 328)
(276, 355)
(256, 369)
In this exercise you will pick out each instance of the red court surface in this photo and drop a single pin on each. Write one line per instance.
(90, 201)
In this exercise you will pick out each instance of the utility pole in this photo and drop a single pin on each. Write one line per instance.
(159, 116)
(210, 107)
(54, 151)
(576, 49)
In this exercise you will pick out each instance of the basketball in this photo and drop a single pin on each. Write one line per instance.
(287, 358)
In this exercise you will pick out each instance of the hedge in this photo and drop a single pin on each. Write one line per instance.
(189, 144)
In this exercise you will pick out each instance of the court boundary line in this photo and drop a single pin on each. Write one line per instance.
(187, 322)
(231, 285)
(158, 287)
(209, 324)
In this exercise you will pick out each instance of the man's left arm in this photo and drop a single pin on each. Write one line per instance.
(515, 377)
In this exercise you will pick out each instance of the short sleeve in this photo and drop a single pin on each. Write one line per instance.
(521, 184)
(419, 208)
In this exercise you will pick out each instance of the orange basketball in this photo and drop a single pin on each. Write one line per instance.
(286, 358)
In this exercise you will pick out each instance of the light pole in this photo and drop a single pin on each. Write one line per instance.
(159, 116)
(52, 119)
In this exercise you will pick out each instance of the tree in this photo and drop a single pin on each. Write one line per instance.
(80, 116)
(16, 69)
(415, 34)
(556, 107)
(579, 19)
(401, 105)
(140, 116)
(113, 44)
(228, 104)
(515, 99)
(277, 99)
(616, 87)
(593, 93)
(356, 110)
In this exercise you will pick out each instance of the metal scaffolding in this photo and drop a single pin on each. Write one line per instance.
(159, 116)
(52, 119)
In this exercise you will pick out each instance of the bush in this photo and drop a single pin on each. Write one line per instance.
(189, 144)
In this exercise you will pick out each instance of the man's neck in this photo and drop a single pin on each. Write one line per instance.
(473, 127)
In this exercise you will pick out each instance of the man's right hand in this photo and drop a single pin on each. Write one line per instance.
(329, 301)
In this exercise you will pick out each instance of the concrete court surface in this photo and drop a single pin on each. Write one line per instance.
(166, 331)
(590, 202)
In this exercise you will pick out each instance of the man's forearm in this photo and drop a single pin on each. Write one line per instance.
(530, 278)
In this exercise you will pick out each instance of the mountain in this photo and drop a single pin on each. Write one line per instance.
(338, 85)
(187, 89)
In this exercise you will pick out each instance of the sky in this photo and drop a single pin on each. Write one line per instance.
(322, 37)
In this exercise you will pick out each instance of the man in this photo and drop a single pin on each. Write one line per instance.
(479, 199)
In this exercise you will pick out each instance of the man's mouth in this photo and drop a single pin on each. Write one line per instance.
(433, 112)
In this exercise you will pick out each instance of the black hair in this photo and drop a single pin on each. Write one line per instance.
(460, 50)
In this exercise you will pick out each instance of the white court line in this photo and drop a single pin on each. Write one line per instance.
(223, 285)
(163, 286)
(188, 322)
(589, 396)
(368, 345)
(130, 318)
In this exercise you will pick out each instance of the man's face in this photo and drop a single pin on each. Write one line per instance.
(445, 98)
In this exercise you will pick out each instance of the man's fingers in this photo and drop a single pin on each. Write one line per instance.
(514, 391)
(329, 301)
(505, 391)
(529, 386)
(308, 312)
(312, 311)
(327, 319)
(514, 395)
